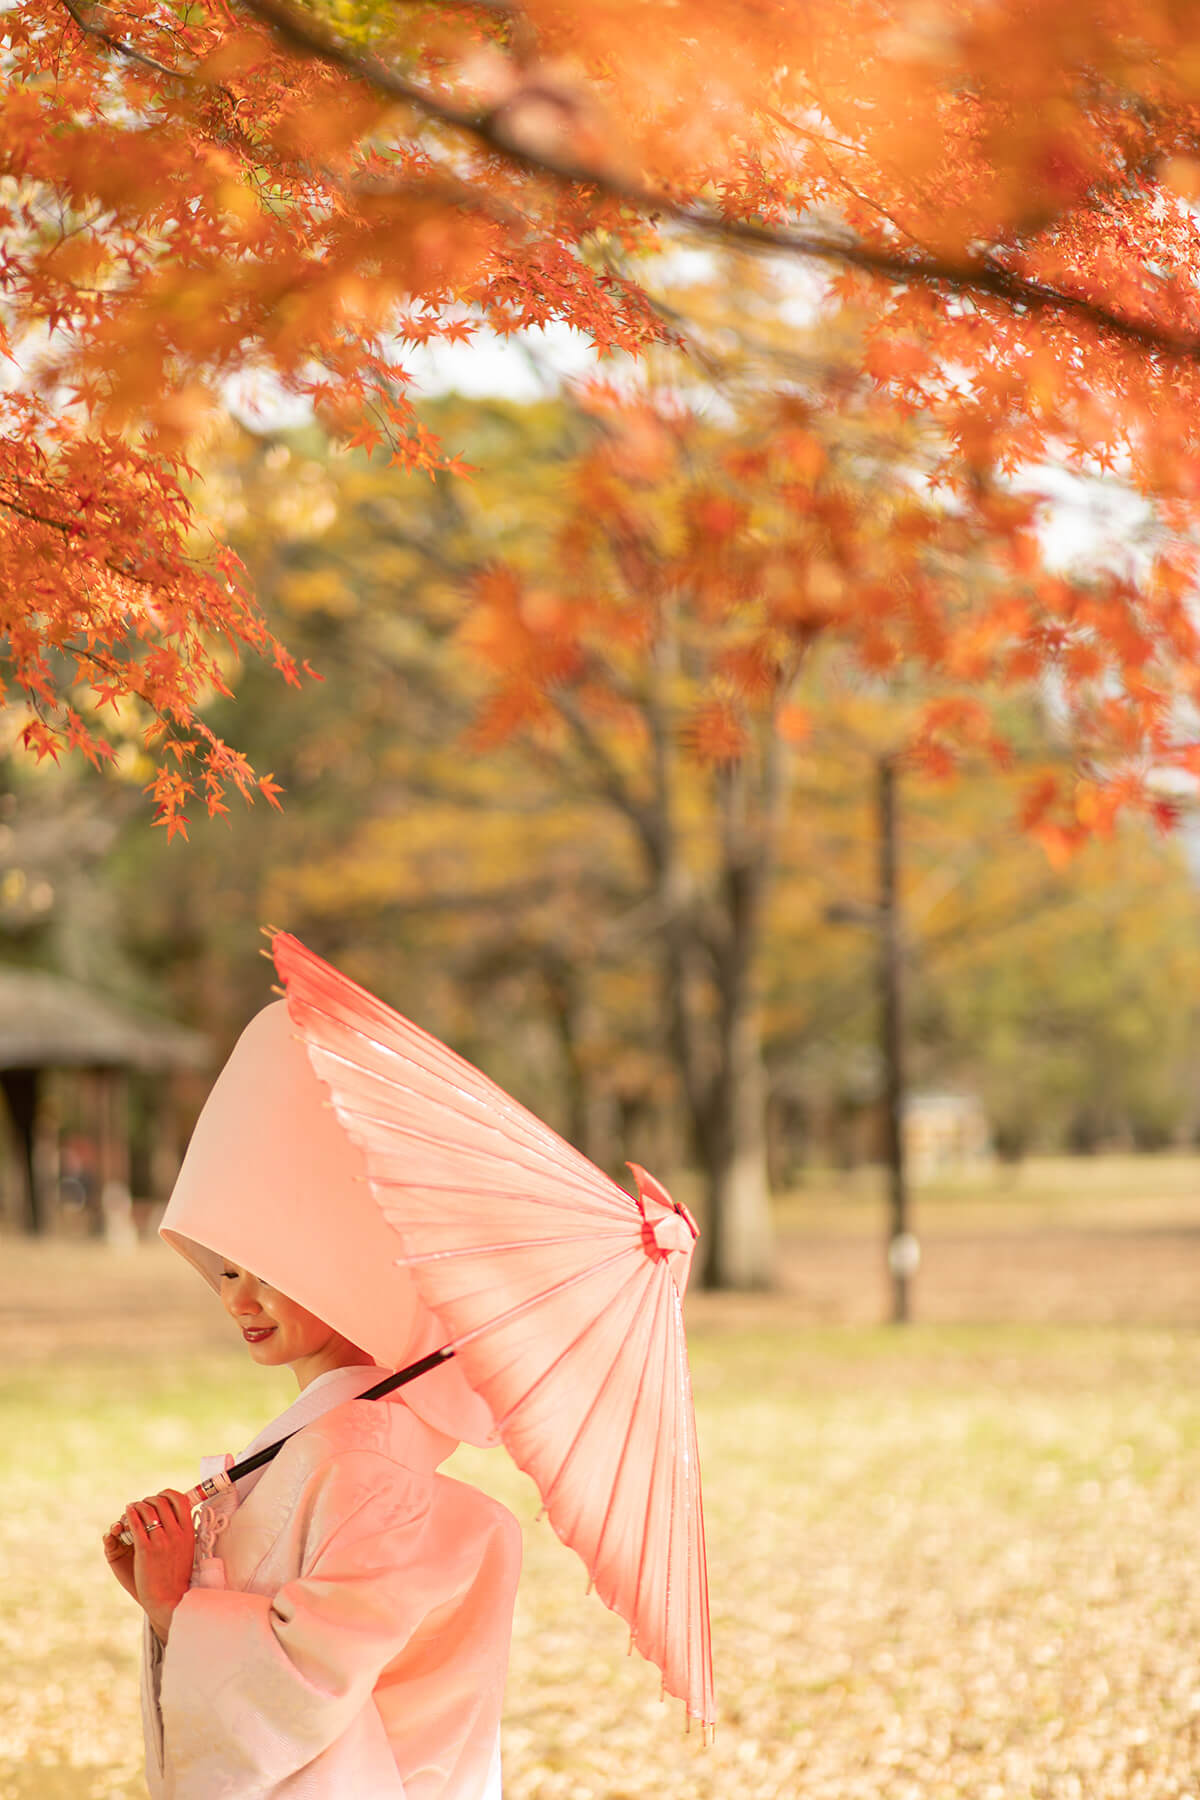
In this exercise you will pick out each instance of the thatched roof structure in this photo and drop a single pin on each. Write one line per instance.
(47, 1022)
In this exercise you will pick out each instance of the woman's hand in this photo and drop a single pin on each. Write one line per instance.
(157, 1570)
(120, 1557)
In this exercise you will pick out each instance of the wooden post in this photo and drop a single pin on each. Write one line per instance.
(20, 1087)
(903, 1253)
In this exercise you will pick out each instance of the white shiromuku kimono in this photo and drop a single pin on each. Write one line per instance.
(346, 1633)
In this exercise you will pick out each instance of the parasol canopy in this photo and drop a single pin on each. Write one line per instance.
(558, 1292)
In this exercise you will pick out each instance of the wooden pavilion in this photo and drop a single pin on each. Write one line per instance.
(50, 1027)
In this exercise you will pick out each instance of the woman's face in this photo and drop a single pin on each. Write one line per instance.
(278, 1331)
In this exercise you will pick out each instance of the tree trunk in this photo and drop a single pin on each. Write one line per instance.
(588, 1117)
(20, 1087)
(739, 1218)
(902, 1250)
(710, 951)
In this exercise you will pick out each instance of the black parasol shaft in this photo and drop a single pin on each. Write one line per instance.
(401, 1378)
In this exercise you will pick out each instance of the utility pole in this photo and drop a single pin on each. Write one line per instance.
(883, 918)
(903, 1251)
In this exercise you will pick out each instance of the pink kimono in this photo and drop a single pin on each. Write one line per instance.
(346, 1633)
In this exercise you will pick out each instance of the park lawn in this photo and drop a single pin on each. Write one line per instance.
(950, 1562)
(1159, 1190)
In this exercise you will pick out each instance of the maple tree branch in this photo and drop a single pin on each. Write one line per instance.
(68, 527)
(979, 278)
(120, 47)
(438, 179)
(986, 278)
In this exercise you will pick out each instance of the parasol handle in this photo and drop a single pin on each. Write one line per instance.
(213, 1485)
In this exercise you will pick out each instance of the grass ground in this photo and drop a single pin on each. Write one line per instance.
(953, 1563)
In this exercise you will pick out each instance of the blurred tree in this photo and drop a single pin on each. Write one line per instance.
(657, 608)
(711, 585)
(1066, 997)
(470, 889)
(1077, 1017)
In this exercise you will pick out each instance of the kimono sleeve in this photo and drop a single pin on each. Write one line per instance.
(256, 1686)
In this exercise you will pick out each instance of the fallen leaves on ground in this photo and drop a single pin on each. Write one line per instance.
(955, 1563)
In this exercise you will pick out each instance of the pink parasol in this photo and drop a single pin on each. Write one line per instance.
(559, 1294)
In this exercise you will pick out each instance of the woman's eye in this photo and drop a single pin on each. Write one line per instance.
(228, 1274)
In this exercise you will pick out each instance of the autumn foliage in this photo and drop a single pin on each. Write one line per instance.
(997, 198)
(752, 569)
(185, 202)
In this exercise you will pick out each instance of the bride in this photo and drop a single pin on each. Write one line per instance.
(337, 1625)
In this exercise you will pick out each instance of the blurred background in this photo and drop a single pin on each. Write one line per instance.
(769, 751)
(958, 1087)
(816, 961)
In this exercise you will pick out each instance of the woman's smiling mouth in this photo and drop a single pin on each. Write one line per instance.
(254, 1334)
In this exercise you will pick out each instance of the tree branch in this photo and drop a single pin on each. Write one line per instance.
(979, 277)
(608, 773)
(68, 527)
(130, 52)
(71, 528)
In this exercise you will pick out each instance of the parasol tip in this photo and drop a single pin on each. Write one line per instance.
(655, 1201)
(669, 1231)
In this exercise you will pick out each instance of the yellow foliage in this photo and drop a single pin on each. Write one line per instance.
(320, 590)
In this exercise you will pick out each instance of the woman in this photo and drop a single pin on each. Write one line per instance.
(337, 1627)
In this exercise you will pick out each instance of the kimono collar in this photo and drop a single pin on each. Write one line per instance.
(334, 1388)
(421, 1446)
